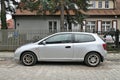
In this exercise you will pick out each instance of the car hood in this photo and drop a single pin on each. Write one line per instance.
(26, 47)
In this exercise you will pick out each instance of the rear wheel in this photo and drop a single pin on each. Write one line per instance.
(28, 59)
(92, 59)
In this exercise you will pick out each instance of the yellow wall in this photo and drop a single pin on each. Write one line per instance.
(111, 4)
(118, 24)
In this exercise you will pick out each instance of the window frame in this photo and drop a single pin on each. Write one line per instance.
(84, 41)
(93, 4)
(91, 26)
(59, 42)
(106, 3)
(51, 26)
(105, 26)
(100, 4)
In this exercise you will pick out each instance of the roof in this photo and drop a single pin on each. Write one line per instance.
(26, 12)
(103, 12)
(89, 12)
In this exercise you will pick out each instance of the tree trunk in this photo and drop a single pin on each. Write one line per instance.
(3, 15)
(62, 16)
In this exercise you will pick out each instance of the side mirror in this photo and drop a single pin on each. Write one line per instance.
(44, 42)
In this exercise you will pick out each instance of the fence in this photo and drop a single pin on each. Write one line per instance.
(11, 39)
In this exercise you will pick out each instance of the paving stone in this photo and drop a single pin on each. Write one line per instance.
(11, 70)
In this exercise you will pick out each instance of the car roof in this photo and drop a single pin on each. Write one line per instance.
(93, 34)
(75, 33)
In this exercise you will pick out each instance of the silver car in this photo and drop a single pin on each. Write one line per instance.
(64, 46)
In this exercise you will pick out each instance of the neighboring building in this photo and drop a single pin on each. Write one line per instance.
(10, 24)
(10, 6)
(103, 15)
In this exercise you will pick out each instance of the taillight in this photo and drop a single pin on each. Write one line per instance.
(105, 46)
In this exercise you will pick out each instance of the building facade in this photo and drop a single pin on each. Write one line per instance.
(103, 15)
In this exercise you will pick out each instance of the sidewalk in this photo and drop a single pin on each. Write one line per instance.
(6, 54)
(110, 56)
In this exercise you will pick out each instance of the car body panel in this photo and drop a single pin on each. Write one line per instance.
(58, 52)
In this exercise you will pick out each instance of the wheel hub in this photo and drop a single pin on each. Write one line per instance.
(28, 59)
(93, 59)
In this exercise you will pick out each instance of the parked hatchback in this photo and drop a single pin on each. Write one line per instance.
(64, 46)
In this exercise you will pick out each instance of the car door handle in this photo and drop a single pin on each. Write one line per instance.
(67, 46)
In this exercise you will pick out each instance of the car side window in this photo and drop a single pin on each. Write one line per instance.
(79, 38)
(60, 38)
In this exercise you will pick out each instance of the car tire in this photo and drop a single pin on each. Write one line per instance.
(28, 59)
(92, 59)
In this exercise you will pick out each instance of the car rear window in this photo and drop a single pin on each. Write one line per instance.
(79, 38)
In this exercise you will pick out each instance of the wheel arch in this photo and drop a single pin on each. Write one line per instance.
(102, 59)
(30, 52)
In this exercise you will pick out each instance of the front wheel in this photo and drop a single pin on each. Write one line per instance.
(92, 59)
(28, 59)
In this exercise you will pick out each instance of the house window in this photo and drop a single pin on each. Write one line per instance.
(106, 25)
(52, 26)
(93, 4)
(90, 26)
(106, 4)
(100, 4)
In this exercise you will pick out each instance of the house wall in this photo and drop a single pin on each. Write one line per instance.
(111, 4)
(35, 22)
(42, 23)
(118, 24)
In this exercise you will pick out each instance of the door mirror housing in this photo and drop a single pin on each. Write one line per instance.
(44, 42)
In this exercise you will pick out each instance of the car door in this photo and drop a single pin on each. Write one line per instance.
(57, 47)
